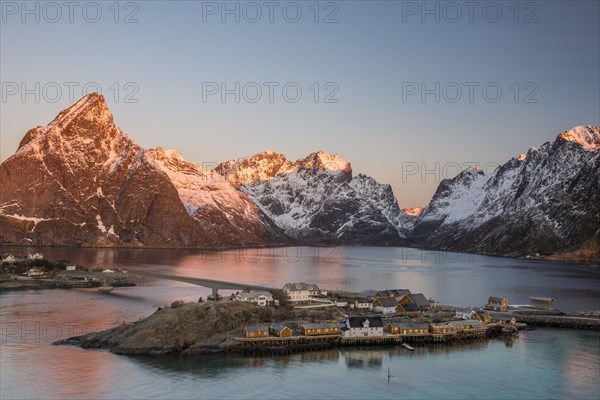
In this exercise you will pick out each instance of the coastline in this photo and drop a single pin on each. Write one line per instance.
(565, 257)
(216, 327)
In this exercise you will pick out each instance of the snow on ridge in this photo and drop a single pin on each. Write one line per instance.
(199, 188)
(588, 136)
(324, 161)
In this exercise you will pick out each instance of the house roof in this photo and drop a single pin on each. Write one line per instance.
(457, 324)
(301, 286)
(419, 299)
(255, 294)
(409, 325)
(471, 322)
(409, 307)
(321, 325)
(362, 301)
(444, 325)
(386, 301)
(257, 328)
(395, 292)
(357, 322)
(279, 327)
(495, 299)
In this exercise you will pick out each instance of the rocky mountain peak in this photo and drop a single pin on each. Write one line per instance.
(85, 131)
(321, 160)
(259, 167)
(587, 136)
(413, 212)
(160, 153)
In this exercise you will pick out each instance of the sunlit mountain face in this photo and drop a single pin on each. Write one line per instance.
(82, 181)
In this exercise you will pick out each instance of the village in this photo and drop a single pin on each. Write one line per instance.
(309, 317)
(34, 271)
(393, 316)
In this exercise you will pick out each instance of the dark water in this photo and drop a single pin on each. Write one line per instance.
(538, 364)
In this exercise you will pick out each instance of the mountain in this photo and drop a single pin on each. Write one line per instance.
(212, 200)
(544, 202)
(316, 199)
(82, 181)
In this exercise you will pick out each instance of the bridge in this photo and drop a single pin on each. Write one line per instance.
(111, 279)
(215, 285)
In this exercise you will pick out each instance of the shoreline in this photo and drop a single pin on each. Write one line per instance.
(556, 258)
(216, 328)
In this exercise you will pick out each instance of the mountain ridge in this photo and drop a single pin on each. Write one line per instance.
(80, 180)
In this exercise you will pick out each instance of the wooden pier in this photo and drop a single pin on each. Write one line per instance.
(293, 344)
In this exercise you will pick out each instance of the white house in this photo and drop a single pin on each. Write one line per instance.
(261, 298)
(363, 304)
(36, 256)
(363, 327)
(71, 267)
(463, 313)
(108, 271)
(385, 305)
(297, 291)
(341, 303)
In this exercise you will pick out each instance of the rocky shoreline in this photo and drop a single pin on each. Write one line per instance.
(215, 327)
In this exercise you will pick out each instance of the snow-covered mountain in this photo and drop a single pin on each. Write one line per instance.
(546, 201)
(215, 202)
(81, 181)
(317, 199)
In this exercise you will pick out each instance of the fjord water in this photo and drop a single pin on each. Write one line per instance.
(545, 363)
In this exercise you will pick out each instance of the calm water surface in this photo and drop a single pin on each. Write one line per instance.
(539, 364)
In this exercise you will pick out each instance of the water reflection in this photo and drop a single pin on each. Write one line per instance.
(443, 276)
(541, 364)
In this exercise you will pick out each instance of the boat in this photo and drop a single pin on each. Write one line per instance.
(408, 347)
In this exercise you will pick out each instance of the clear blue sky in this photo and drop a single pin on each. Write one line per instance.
(372, 54)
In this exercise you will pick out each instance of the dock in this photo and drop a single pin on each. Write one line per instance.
(292, 344)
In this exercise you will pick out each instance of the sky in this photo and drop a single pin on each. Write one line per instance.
(408, 92)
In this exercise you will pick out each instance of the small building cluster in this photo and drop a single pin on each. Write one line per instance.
(400, 301)
(367, 327)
